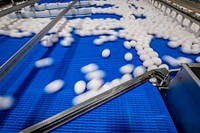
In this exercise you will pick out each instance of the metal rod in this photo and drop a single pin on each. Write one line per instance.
(10, 64)
(17, 7)
(72, 113)
(184, 14)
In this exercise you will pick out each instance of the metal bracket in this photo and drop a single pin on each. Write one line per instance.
(162, 76)
(17, 7)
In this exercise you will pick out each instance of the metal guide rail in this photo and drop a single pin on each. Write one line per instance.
(164, 6)
(17, 7)
(162, 76)
(10, 63)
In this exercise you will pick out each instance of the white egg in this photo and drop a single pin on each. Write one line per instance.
(54, 86)
(148, 50)
(148, 63)
(164, 66)
(157, 61)
(47, 43)
(138, 47)
(94, 84)
(126, 68)
(54, 38)
(104, 38)
(6, 102)
(173, 44)
(125, 78)
(172, 61)
(140, 52)
(95, 75)
(186, 50)
(26, 33)
(198, 59)
(195, 51)
(44, 62)
(84, 97)
(105, 87)
(153, 80)
(139, 71)
(79, 87)
(89, 68)
(97, 41)
(106, 53)
(184, 60)
(144, 57)
(128, 56)
(115, 82)
(127, 45)
(133, 43)
(112, 38)
(152, 68)
(66, 43)
(153, 54)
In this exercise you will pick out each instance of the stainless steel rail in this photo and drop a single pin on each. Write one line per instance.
(10, 64)
(17, 7)
(162, 4)
(162, 76)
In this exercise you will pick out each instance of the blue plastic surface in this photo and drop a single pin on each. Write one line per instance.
(140, 110)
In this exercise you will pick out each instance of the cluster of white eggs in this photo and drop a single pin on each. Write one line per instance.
(19, 28)
(94, 76)
(96, 84)
(176, 62)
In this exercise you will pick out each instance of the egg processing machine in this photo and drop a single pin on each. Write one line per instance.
(181, 94)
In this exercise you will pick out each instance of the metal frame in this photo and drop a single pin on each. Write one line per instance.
(10, 63)
(160, 4)
(182, 98)
(162, 76)
(17, 7)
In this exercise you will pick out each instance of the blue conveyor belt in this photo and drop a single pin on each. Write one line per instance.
(140, 110)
